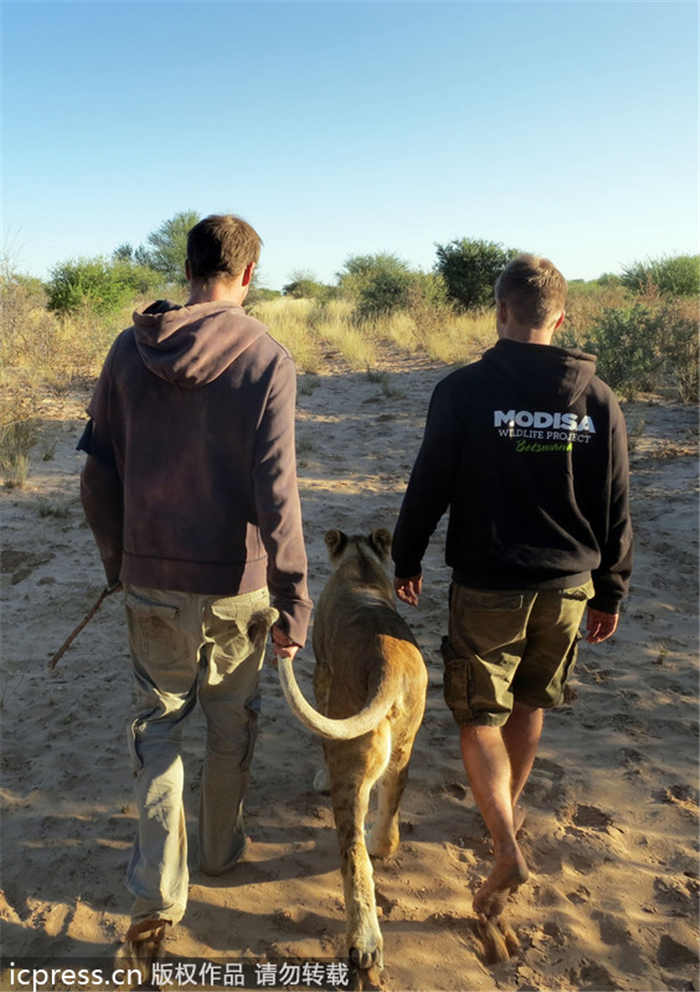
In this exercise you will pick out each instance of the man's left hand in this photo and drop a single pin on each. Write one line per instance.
(600, 626)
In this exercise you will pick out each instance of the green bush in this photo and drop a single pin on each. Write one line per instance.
(677, 276)
(103, 286)
(260, 294)
(376, 284)
(627, 342)
(308, 289)
(643, 346)
(470, 269)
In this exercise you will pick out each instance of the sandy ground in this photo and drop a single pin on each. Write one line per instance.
(611, 831)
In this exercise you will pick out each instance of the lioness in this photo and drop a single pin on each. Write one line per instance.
(370, 684)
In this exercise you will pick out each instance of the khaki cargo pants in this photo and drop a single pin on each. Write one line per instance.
(186, 646)
(509, 645)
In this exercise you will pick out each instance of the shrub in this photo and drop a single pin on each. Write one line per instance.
(260, 294)
(627, 343)
(470, 269)
(308, 289)
(678, 275)
(103, 286)
(377, 284)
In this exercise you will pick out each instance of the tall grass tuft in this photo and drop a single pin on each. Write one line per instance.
(288, 322)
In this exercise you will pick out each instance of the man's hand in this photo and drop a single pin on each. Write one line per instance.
(409, 590)
(600, 626)
(282, 645)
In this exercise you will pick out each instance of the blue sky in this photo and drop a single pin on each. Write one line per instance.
(564, 128)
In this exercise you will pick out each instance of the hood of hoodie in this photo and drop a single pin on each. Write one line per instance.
(542, 372)
(191, 346)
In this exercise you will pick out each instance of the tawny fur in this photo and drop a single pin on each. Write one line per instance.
(365, 652)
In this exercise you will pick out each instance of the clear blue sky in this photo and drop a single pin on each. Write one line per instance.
(565, 128)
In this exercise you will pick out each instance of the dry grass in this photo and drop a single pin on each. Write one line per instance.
(288, 321)
(18, 435)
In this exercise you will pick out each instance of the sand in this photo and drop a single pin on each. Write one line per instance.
(612, 902)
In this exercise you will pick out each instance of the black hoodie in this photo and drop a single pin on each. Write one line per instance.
(528, 449)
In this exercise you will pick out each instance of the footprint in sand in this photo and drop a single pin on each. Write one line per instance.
(671, 954)
(592, 977)
(591, 817)
(612, 931)
(580, 896)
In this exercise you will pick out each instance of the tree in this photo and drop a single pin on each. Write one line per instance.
(167, 249)
(470, 269)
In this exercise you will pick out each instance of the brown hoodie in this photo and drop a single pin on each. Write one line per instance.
(192, 480)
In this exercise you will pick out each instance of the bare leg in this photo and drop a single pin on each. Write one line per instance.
(521, 736)
(488, 766)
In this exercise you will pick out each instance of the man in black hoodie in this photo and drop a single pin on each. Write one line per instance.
(527, 448)
(190, 489)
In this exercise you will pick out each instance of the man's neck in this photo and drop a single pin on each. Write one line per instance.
(526, 335)
(215, 291)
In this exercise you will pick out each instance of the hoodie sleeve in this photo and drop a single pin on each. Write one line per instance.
(277, 504)
(611, 578)
(100, 484)
(430, 487)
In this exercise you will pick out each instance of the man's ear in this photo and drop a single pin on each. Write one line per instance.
(247, 274)
(560, 321)
(335, 542)
(380, 541)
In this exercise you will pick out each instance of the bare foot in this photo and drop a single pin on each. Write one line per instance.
(509, 871)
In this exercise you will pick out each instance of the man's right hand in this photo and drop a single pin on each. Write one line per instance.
(282, 645)
(600, 626)
(409, 590)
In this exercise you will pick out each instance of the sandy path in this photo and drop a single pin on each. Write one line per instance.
(612, 827)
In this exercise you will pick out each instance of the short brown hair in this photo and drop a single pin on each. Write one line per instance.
(533, 289)
(221, 245)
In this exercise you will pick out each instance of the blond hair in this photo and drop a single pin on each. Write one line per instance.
(221, 245)
(533, 289)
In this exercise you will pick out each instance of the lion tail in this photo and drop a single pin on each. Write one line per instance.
(336, 730)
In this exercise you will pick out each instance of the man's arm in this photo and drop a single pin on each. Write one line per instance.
(611, 578)
(279, 510)
(101, 496)
(429, 493)
(101, 489)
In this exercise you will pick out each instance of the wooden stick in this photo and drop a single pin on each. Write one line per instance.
(107, 591)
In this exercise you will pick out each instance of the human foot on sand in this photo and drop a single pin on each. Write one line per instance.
(509, 871)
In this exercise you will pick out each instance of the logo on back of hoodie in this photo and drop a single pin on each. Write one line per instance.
(541, 432)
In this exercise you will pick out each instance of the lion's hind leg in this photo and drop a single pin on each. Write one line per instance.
(383, 838)
(354, 767)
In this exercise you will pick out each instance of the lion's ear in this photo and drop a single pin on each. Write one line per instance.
(335, 542)
(380, 541)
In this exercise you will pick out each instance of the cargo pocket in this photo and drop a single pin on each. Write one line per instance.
(457, 683)
(555, 689)
(154, 635)
(238, 630)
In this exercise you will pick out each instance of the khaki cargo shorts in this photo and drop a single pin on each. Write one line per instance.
(509, 645)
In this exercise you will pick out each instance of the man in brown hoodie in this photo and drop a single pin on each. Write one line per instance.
(190, 490)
